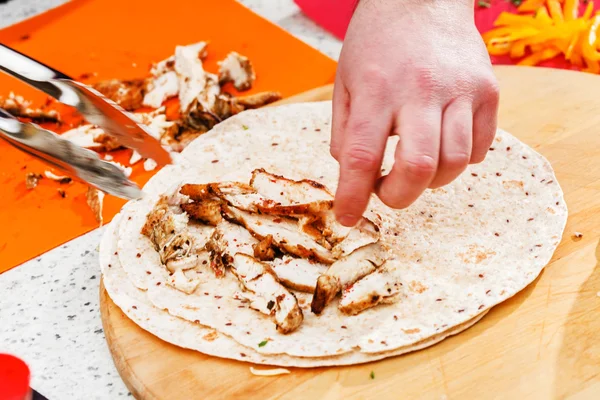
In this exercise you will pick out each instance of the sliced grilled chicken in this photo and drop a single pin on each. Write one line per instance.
(285, 233)
(287, 191)
(261, 286)
(344, 272)
(380, 287)
(229, 239)
(207, 211)
(298, 273)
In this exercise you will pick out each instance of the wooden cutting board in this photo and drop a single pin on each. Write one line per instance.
(544, 343)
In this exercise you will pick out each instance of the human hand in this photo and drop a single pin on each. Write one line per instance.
(417, 69)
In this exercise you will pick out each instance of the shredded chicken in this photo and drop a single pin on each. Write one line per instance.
(258, 100)
(179, 281)
(228, 240)
(95, 200)
(237, 69)
(168, 232)
(128, 94)
(32, 179)
(21, 108)
(286, 191)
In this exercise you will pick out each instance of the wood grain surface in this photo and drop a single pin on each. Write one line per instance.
(544, 343)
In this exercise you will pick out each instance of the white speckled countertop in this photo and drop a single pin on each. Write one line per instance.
(49, 312)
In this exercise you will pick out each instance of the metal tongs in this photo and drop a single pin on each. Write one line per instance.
(98, 110)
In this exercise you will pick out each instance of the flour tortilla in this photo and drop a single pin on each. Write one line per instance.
(463, 248)
(180, 332)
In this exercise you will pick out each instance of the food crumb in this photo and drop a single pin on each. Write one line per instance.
(372, 374)
(61, 192)
(263, 343)
(32, 179)
(577, 235)
(95, 200)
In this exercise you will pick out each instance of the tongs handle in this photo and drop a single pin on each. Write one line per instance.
(31, 71)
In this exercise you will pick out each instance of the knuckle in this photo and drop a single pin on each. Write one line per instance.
(420, 167)
(457, 160)
(361, 158)
(359, 125)
(491, 89)
(427, 81)
(374, 76)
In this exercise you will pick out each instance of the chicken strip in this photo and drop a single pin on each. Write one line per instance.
(284, 231)
(286, 191)
(266, 294)
(298, 273)
(344, 272)
(207, 211)
(381, 287)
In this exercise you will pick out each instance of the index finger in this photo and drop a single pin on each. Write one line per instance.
(363, 144)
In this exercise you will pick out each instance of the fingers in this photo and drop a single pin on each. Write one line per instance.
(360, 155)
(456, 142)
(341, 104)
(416, 157)
(485, 121)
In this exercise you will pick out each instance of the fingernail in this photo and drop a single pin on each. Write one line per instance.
(348, 220)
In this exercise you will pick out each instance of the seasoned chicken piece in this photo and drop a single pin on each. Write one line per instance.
(235, 194)
(227, 105)
(346, 240)
(58, 178)
(287, 191)
(380, 287)
(261, 286)
(258, 100)
(18, 107)
(160, 89)
(263, 250)
(127, 94)
(168, 233)
(227, 240)
(344, 272)
(286, 235)
(296, 210)
(298, 273)
(157, 123)
(237, 69)
(207, 211)
(196, 192)
(194, 81)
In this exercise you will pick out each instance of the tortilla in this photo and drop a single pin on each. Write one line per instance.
(190, 335)
(462, 249)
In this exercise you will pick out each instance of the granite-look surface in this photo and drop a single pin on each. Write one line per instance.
(49, 312)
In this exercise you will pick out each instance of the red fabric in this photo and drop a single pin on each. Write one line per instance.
(334, 16)
(14, 378)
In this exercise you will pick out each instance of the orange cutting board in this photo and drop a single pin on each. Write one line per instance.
(103, 39)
